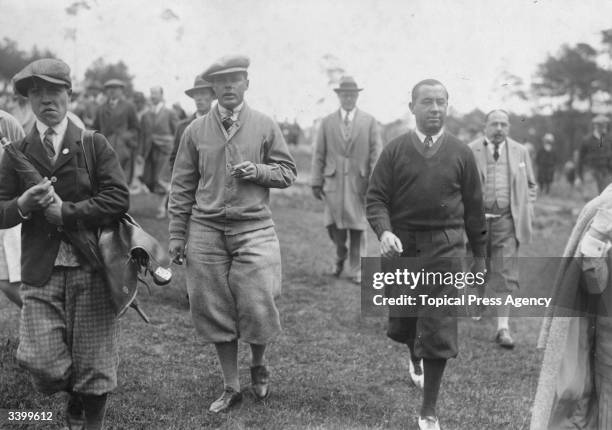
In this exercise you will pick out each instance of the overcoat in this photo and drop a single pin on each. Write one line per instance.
(343, 167)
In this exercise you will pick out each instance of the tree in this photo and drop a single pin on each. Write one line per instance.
(572, 75)
(13, 59)
(101, 72)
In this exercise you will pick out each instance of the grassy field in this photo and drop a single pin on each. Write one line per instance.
(331, 368)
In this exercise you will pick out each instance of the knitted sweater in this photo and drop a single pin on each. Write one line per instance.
(409, 191)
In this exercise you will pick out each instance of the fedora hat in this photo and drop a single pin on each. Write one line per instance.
(347, 83)
(199, 83)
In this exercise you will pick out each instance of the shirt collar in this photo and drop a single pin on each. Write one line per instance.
(159, 106)
(226, 112)
(434, 137)
(60, 129)
(351, 114)
(491, 146)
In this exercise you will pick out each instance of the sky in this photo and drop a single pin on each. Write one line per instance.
(386, 45)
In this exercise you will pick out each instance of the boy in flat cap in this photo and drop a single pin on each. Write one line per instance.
(226, 163)
(68, 329)
(348, 145)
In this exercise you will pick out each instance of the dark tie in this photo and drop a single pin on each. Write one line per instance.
(227, 122)
(428, 142)
(48, 143)
(496, 151)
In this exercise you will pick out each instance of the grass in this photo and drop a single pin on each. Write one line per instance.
(331, 367)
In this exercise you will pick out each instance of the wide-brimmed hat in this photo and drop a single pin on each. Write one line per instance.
(48, 69)
(114, 83)
(199, 84)
(227, 64)
(347, 83)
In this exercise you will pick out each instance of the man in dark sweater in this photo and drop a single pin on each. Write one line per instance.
(424, 194)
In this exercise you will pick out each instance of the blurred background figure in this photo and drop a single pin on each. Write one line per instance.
(546, 161)
(117, 121)
(19, 107)
(159, 128)
(10, 239)
(179, 111)
(594, 159)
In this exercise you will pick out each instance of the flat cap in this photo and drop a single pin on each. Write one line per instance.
(199, 83)
(48, 69)
(347, 83)
(114, 83)
(227, 64)
(602, 119)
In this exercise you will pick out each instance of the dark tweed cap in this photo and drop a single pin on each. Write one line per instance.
(48, 69)
(225, 65)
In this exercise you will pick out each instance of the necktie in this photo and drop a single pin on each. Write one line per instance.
(428, 142)
(227, 121)
(48, 143)
(347, 121)
(496, 151)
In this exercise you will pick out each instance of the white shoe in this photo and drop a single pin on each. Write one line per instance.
(416, 374)
(429, 423)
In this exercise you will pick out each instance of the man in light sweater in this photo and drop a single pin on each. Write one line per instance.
(509, 189)
(424, 194)
(226, 163)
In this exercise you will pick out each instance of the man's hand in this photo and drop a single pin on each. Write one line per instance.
(317, 192)
(36, 198)
(53, 212)
(390, 245)
(176, 249)
(245, 170)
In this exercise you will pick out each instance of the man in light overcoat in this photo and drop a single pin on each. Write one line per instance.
(347, 147)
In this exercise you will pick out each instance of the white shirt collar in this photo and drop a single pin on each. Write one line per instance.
(434, 137)
(226, 112)
(58, 137)
(159, 106)
(491, 146)
(351, 114)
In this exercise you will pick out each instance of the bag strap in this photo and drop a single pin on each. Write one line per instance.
(88, 135)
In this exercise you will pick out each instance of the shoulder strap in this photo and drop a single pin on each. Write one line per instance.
(89, 155)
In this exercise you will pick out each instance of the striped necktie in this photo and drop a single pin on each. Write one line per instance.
(496, 151)
(48, 143)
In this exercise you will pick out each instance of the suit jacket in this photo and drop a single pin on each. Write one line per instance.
(343, 167)
(118, 124)
(523, 187)
(180, 129)
(158, 129)
(81, 211)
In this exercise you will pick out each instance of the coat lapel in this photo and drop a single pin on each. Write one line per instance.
(36, 153)
(481, 159)
(354, 130)
(70, 146)
(513, 158)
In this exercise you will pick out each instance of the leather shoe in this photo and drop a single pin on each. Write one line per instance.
(504, 339)
(228, 399)
(337, 269)
(416, 373)
(429, 423)
(259, 381)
